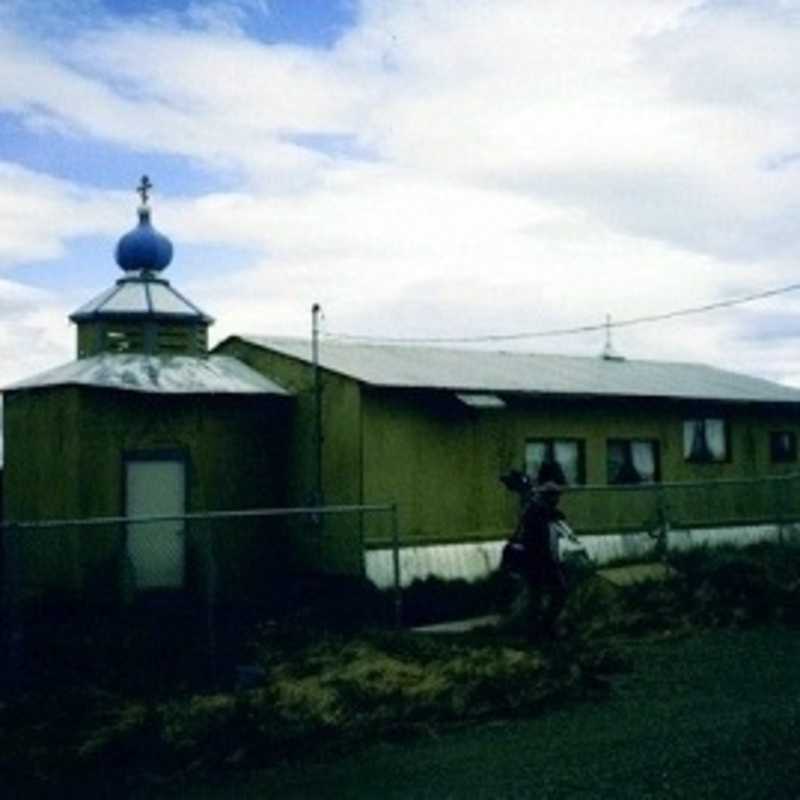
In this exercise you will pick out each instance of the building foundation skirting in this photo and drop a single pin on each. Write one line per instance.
(475, 560)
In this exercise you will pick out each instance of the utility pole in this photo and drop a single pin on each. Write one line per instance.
(316, 311)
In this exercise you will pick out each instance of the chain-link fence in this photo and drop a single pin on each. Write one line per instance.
(150, 595)
(630, 521)
(623, 522)
(689, 504)
(182, 591)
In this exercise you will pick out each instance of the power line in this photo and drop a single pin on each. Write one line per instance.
(624, 323)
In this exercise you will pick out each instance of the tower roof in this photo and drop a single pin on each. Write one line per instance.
(141, 312)
(141, 296)
(142, 253)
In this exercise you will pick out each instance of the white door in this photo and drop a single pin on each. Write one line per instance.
(156, 550)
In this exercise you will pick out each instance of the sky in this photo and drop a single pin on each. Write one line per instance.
(440, 169)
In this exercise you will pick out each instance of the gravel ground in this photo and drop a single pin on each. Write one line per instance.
(716, 715)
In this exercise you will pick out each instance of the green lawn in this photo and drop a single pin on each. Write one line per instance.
(714, 715)
(685, 686)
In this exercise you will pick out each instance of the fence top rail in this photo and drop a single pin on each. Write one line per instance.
(658, 485)
(377, 507)
(201, 515)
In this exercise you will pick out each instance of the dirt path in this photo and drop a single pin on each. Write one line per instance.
(713, 716)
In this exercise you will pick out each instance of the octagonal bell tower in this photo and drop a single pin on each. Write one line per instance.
(142, 313)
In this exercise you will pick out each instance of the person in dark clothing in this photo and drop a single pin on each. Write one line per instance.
(544, 575)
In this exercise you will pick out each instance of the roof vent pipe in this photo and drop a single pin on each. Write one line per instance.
(609, 353)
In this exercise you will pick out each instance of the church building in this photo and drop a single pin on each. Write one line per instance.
(144, 422)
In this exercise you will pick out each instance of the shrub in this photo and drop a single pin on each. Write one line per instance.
(742, 586)
(431, 600)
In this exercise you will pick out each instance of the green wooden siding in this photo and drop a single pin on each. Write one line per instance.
(336, 545)
(424, 450)
(440, 460)
(65, 449)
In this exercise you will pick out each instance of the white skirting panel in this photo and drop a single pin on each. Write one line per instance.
(446, 561)
(477, 560)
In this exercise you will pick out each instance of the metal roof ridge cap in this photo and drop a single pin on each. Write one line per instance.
(148, 298)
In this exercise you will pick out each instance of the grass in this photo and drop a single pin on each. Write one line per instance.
(318, 695)
(714, 715)
(313, 692)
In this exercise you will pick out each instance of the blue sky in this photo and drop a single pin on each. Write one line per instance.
(438, 168)
(312, 23)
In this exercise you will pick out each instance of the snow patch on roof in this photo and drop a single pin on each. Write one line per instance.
(157, 374)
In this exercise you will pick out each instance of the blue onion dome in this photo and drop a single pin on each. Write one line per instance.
(144, 249)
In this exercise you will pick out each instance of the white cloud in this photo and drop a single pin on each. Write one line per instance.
(531, 165)
(38, 214)
(34, 333)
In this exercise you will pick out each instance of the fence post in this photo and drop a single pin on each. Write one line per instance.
(398, 591)
(211, 600)
(662, 541)
(11, 609)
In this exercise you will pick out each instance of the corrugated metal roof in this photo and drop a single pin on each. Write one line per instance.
(157, 374)
(482, 371)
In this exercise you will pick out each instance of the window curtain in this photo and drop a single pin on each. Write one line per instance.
(616, 462)
(695, 447)
(704, 440)
(631, 461)
(565, 454)
(535, 456)
(715, 438)
(783, 446)
(644, 460)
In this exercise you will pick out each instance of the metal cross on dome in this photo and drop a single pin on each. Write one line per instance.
(143, 189)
